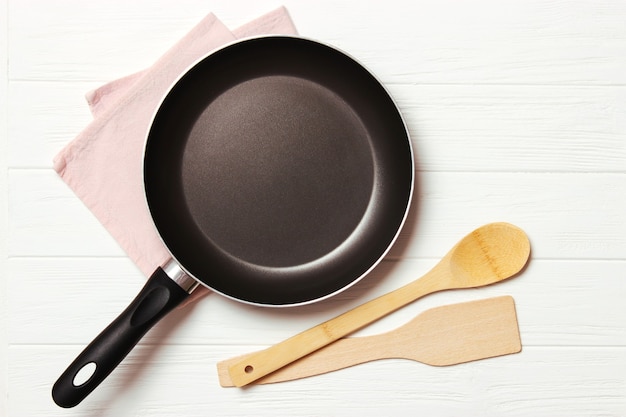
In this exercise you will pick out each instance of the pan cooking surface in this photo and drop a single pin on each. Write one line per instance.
(288, 169)
(278, 171)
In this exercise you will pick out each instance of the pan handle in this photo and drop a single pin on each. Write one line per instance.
(157, 298)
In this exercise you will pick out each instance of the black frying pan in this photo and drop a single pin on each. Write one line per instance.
(278, 171)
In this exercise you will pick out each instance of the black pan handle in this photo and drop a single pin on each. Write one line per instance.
(157, 298)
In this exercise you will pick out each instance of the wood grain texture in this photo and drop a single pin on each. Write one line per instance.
(104, 286)
(4, 313)
(488, 42)
(442, 336)
(522, 128)
(516, 111)
(158, 379)
(567, 215)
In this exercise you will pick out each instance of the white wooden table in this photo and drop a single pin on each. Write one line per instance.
(517, 111)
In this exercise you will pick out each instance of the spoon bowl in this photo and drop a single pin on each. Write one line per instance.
(487, 255)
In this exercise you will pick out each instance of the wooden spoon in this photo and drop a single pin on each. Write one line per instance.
(441, 336)
(487, 255)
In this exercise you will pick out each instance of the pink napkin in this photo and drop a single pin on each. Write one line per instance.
(103, 164)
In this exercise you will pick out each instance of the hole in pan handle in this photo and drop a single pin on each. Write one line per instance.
(158, 297)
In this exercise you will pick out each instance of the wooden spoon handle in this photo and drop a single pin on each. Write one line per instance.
(262, 363)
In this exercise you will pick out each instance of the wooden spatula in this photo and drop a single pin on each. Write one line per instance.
(440, 336)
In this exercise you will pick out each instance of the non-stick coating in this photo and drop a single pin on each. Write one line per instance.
(278, 171)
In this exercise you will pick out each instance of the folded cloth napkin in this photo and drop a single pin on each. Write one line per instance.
(103, 164)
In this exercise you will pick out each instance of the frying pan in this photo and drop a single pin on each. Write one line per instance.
(278, 171)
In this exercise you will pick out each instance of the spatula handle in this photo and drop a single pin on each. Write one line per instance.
(343, 353)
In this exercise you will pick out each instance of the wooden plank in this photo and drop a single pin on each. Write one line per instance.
(46, 218)
(483, 42)
(71, 41)
(453, 127)
(3, 205)
(567, 216)
(181, 380)
(532, 42)
(515, 128)
(558, 303)
(39, 129)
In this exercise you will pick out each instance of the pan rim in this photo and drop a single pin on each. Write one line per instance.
(181, 266)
